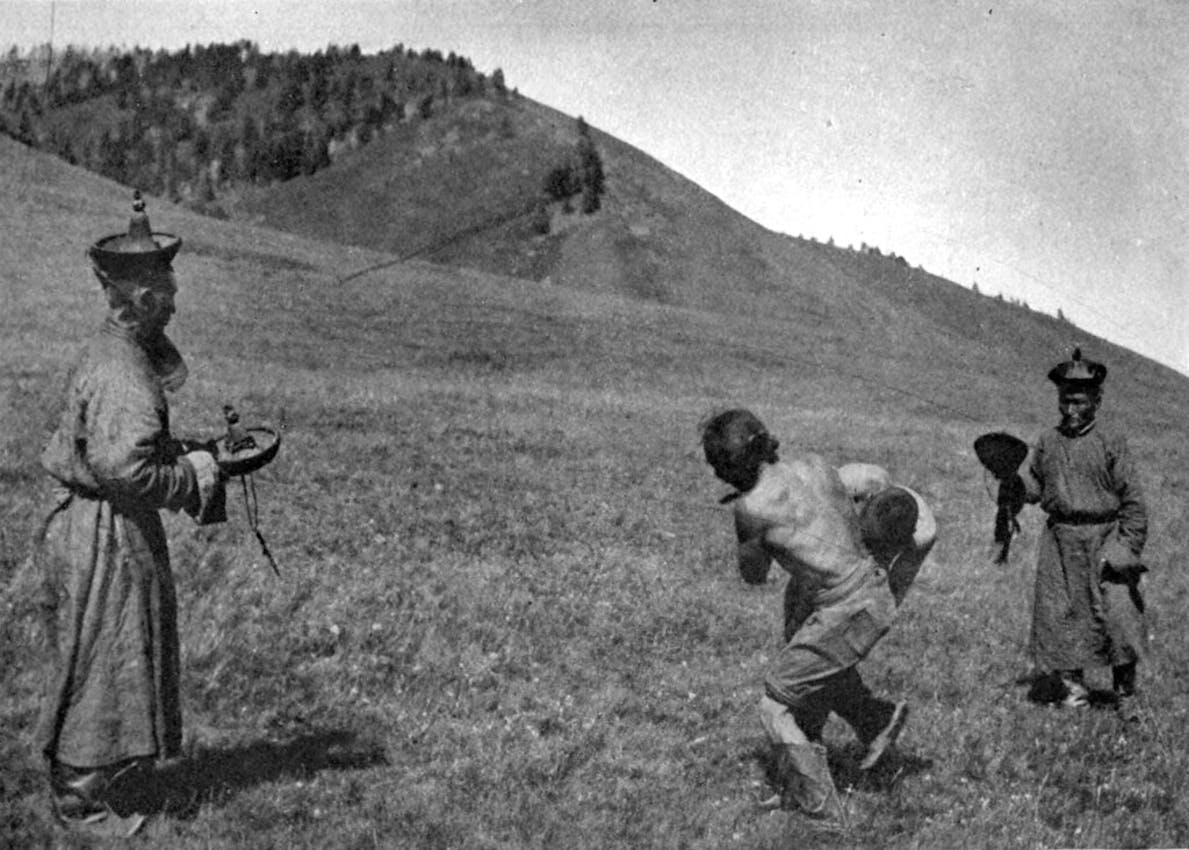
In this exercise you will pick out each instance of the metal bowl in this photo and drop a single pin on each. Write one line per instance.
(266, 442)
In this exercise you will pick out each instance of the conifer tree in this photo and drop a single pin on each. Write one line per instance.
(591, 169)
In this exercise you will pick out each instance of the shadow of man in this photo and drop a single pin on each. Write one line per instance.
(215, 775)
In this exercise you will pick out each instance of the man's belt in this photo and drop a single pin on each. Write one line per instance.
(1081, 518)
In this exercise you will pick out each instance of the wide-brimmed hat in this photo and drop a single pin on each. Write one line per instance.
(1001, 453)
(137, 252)
(1078, 372)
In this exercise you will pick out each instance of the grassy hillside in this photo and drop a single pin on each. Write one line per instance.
(507, 615)
(458, 189)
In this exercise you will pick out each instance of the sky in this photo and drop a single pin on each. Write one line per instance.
(1034, 149)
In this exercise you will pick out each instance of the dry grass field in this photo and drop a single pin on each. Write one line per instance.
(508, 615)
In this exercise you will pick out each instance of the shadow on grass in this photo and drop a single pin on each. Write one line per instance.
(881, 779)
(215, 775)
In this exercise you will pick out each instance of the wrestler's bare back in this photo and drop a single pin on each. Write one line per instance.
(800, 515)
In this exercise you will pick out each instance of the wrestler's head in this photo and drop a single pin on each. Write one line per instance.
(737, 445)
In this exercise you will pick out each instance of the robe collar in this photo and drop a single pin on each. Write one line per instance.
(1079, 432)
(164, 358)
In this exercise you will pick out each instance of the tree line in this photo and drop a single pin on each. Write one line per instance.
(193, 123)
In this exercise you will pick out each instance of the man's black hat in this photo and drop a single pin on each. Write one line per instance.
(1078, 373)
(1001, 453)
(137, 252)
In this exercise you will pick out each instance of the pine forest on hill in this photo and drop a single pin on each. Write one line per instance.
(195, 124)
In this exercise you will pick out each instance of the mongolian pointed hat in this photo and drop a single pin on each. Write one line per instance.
(137, 252)
(1077, 372)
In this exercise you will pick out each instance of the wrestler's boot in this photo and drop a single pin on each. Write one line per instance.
(807, 784)
(877, 722)
(802, 774)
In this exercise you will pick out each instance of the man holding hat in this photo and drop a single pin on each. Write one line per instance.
(1087, 607)
(837, 541)
(112, 704)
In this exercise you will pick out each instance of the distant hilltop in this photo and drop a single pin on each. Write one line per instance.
(197, 124)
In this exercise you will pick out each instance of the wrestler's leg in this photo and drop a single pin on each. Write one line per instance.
(802, 768)
(877, 722)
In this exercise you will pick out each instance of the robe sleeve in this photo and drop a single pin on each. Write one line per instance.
(129, 449)
(1132, 516)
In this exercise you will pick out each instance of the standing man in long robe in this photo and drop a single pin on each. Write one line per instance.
(112, 705)
(838, 601)
(1087, 607)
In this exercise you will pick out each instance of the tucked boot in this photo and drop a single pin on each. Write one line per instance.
(808, 785)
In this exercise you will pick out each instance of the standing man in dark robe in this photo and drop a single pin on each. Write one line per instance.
(1087, 608)
(112, 706)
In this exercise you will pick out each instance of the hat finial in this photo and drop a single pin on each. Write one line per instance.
(140, 233)
(1078, 372)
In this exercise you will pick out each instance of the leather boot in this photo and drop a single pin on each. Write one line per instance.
(808, 785)
(77, 793)
(89, 799)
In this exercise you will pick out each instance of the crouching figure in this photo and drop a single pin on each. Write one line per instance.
(839, 542)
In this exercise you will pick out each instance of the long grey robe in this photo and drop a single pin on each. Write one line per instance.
(1088, 487)
(108, 587)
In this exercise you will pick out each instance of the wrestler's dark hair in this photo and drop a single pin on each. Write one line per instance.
(738, 438)
(889, 519)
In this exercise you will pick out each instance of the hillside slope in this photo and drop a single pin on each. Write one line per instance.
(463, 196)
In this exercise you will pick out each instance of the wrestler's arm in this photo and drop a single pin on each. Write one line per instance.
(863, 480)
(753, 557)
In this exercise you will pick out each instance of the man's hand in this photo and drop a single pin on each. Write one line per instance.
(1122, 575)
(1120, 565)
